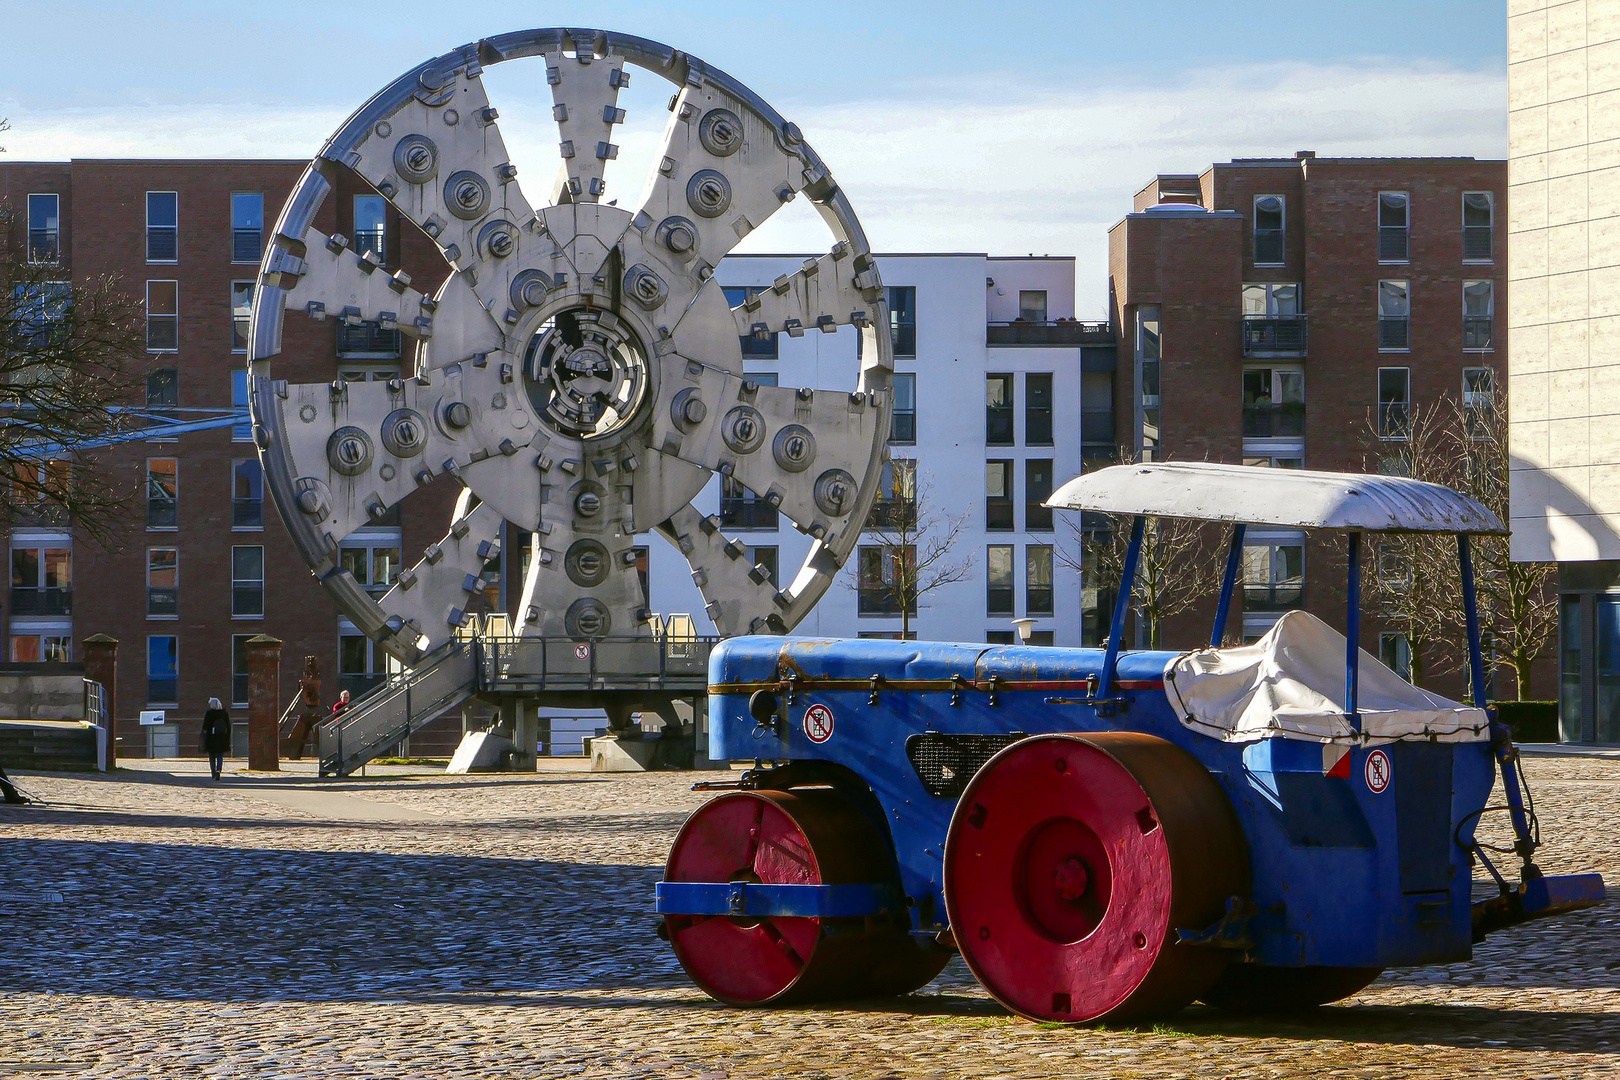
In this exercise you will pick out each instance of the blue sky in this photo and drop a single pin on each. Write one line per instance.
(954, 126)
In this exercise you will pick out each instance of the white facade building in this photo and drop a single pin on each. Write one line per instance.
(992, 464)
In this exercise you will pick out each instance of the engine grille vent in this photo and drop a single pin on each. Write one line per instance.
(945, 763)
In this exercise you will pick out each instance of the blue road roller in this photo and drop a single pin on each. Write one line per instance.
(1106, 834)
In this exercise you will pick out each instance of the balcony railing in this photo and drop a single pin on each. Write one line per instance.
(1268, 247)
(247, 513)
(1038, 516)
(998, 514)
(903, 429)
(368, 341)
(998, 600)
(1393, 419)
(747, 514)
(162, 333)
(998, 425)
(879, 600)
(1280, 596)
(1392, 243)
(1477, 332)
(34, 601)
(1392, 332)
(1038, 426)
(162, 513)
(1052, 332)
(1038, 600)
(1271, 421)
(247, 245)
(162, 601)
(1477, 243)
(1274, 335)
(44, 246)
(162, 243)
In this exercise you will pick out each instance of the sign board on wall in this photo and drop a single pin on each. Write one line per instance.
(149, 717)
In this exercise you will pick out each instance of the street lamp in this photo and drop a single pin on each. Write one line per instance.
(1024, 627)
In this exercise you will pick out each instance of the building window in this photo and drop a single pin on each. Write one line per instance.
(1037, 489)
(1096, 418)
(896, 506)
(758, 346)
(242, 430)
(1273, 322)
(998, 410)
(371, 226)
(1286, 459)
(247, 494)
(1032, 305)
(239, 670)
(1038, 580)
(369, 341)
(998, 580)
(1273, 574)
(883, 577)
(998, 499)
(1478, 221)
(44, 229)
(247, 581)
(162, 316)
(1273, 403)
(42, 579)
(1394, 217)
(163, 392)
(1479, 310)
(767, 562)
(373, 561)
(162, 493)
(162, 227)
(49, 648)
(903, 428)
(361, 665)
(902, 318)
(1394, 316)
(1269, 212)
(241, 314)
(163, 670)
(1038, 409)
(1001, 637)
(1147, 378)
(40, 314)
(742, 509)
(163, 583)
(1395, 653)
(1394, 401)
(1479, 402)
(247, 226)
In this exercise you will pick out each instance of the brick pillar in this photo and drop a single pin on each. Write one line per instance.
(101, 665)
(264, 703)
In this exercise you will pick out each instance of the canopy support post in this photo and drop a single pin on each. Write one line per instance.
(1234, 561)
(1122, 605)
(1506, 754)
(1352, 649)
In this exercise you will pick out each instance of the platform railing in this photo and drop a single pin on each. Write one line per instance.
(405, 703)
(562, 663)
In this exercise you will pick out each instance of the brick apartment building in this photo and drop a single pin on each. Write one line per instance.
(1272, 311)
(206, 564)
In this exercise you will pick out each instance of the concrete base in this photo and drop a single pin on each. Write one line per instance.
(481, 751)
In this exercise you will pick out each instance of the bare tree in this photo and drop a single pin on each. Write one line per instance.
(71, 353)
(1413, 583)
(914, 550)
(1178, 567)
(1518, 602)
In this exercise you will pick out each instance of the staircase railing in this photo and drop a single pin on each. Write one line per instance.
(398, 707)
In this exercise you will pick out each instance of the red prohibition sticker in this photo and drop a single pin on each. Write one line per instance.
(818, 723)
(1377, 771)
(582, 652)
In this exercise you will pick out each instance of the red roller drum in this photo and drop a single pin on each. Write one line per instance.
(1072, 860)
(807, 836)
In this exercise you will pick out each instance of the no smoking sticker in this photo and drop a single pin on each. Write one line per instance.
(818, 723)
(1377, 771)
(582, 652)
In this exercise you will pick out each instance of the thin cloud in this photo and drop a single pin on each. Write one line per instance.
(974, 167)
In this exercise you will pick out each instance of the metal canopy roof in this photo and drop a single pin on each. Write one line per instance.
(1295, 498)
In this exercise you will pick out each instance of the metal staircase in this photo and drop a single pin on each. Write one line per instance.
(399, 707)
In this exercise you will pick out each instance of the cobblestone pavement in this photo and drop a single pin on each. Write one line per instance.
(499, 926)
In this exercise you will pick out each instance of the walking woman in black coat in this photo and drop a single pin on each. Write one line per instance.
(216, 735)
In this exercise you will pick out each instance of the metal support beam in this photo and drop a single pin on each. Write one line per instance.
(1352, 648)
(1122, 604)
(1234, 563)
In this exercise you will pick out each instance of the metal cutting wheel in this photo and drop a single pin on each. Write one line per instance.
(579, 371)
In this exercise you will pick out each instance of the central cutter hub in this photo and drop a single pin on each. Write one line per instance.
(586, 373)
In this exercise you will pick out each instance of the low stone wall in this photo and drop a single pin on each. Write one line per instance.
(42, 692)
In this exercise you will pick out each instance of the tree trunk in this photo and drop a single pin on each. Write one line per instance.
(1521, 671)
(1416, 650)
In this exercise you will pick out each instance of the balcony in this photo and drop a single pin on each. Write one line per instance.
(1392, 332)
(1269, 247)
(1477, 243)
(1477, 333)
(162, 243)
(1278, 596)
(998, 425)
(368, 341)
(35, 601)
(1272, 421)
(747, 514)
(1052, 332)
(1274, 335)
(162, 513)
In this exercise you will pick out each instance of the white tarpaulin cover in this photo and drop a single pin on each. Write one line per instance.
(1290, 683)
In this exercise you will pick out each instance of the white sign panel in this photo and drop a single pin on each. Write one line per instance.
(150, 717)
